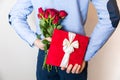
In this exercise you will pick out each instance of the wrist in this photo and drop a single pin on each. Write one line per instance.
(36, 42)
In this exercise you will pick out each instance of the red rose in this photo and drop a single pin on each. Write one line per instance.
(56, 11)
(39, 16)
(46, 15)
(48, 10)
(52, 12)
(56, 20)
(62, 14)
(40, 10)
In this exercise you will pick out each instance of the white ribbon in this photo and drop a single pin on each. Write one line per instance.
(68, 48)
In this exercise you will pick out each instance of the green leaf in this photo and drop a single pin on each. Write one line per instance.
(47, 35)
(45, 41)
(42, 23)
(42, 30)
(38, 36)
(45, 47)
(59, 27)
(54, 26)
(47, 44)
(50, 31)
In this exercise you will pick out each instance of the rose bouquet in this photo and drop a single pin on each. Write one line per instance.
(50, 19)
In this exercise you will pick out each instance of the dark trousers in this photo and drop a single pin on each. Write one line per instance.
(43, 74)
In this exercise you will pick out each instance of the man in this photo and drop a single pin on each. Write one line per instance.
(108, 18)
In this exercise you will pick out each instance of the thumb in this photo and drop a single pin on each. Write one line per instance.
(49, 39)
(83, 66)
(63, 68)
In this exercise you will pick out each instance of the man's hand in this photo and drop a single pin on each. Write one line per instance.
(38, 43)
(75, 69)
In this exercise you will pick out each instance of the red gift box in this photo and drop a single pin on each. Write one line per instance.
(61, 45)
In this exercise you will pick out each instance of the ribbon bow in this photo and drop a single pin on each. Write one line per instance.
(68, 48)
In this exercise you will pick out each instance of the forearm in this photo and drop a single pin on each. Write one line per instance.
(18, 20)
(108, 18)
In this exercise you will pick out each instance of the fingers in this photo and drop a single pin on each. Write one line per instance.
(63, 68)
(83, 66)
(69, 68)
(42, 48)
(75, 68)
(78, 69)
(49, 39)
(39, 44)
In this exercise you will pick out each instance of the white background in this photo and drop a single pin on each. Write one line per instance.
(18, 60)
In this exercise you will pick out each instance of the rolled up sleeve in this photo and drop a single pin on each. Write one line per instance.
(18, 20)
(108, 19)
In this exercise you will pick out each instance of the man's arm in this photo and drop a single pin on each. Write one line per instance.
(108, 19)
(18, 20)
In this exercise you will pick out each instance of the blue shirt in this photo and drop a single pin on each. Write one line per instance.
(108, 18)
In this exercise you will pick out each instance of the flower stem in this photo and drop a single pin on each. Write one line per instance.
(46, 66)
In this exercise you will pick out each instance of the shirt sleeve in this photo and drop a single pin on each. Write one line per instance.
(18, 20)
(108, 19)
